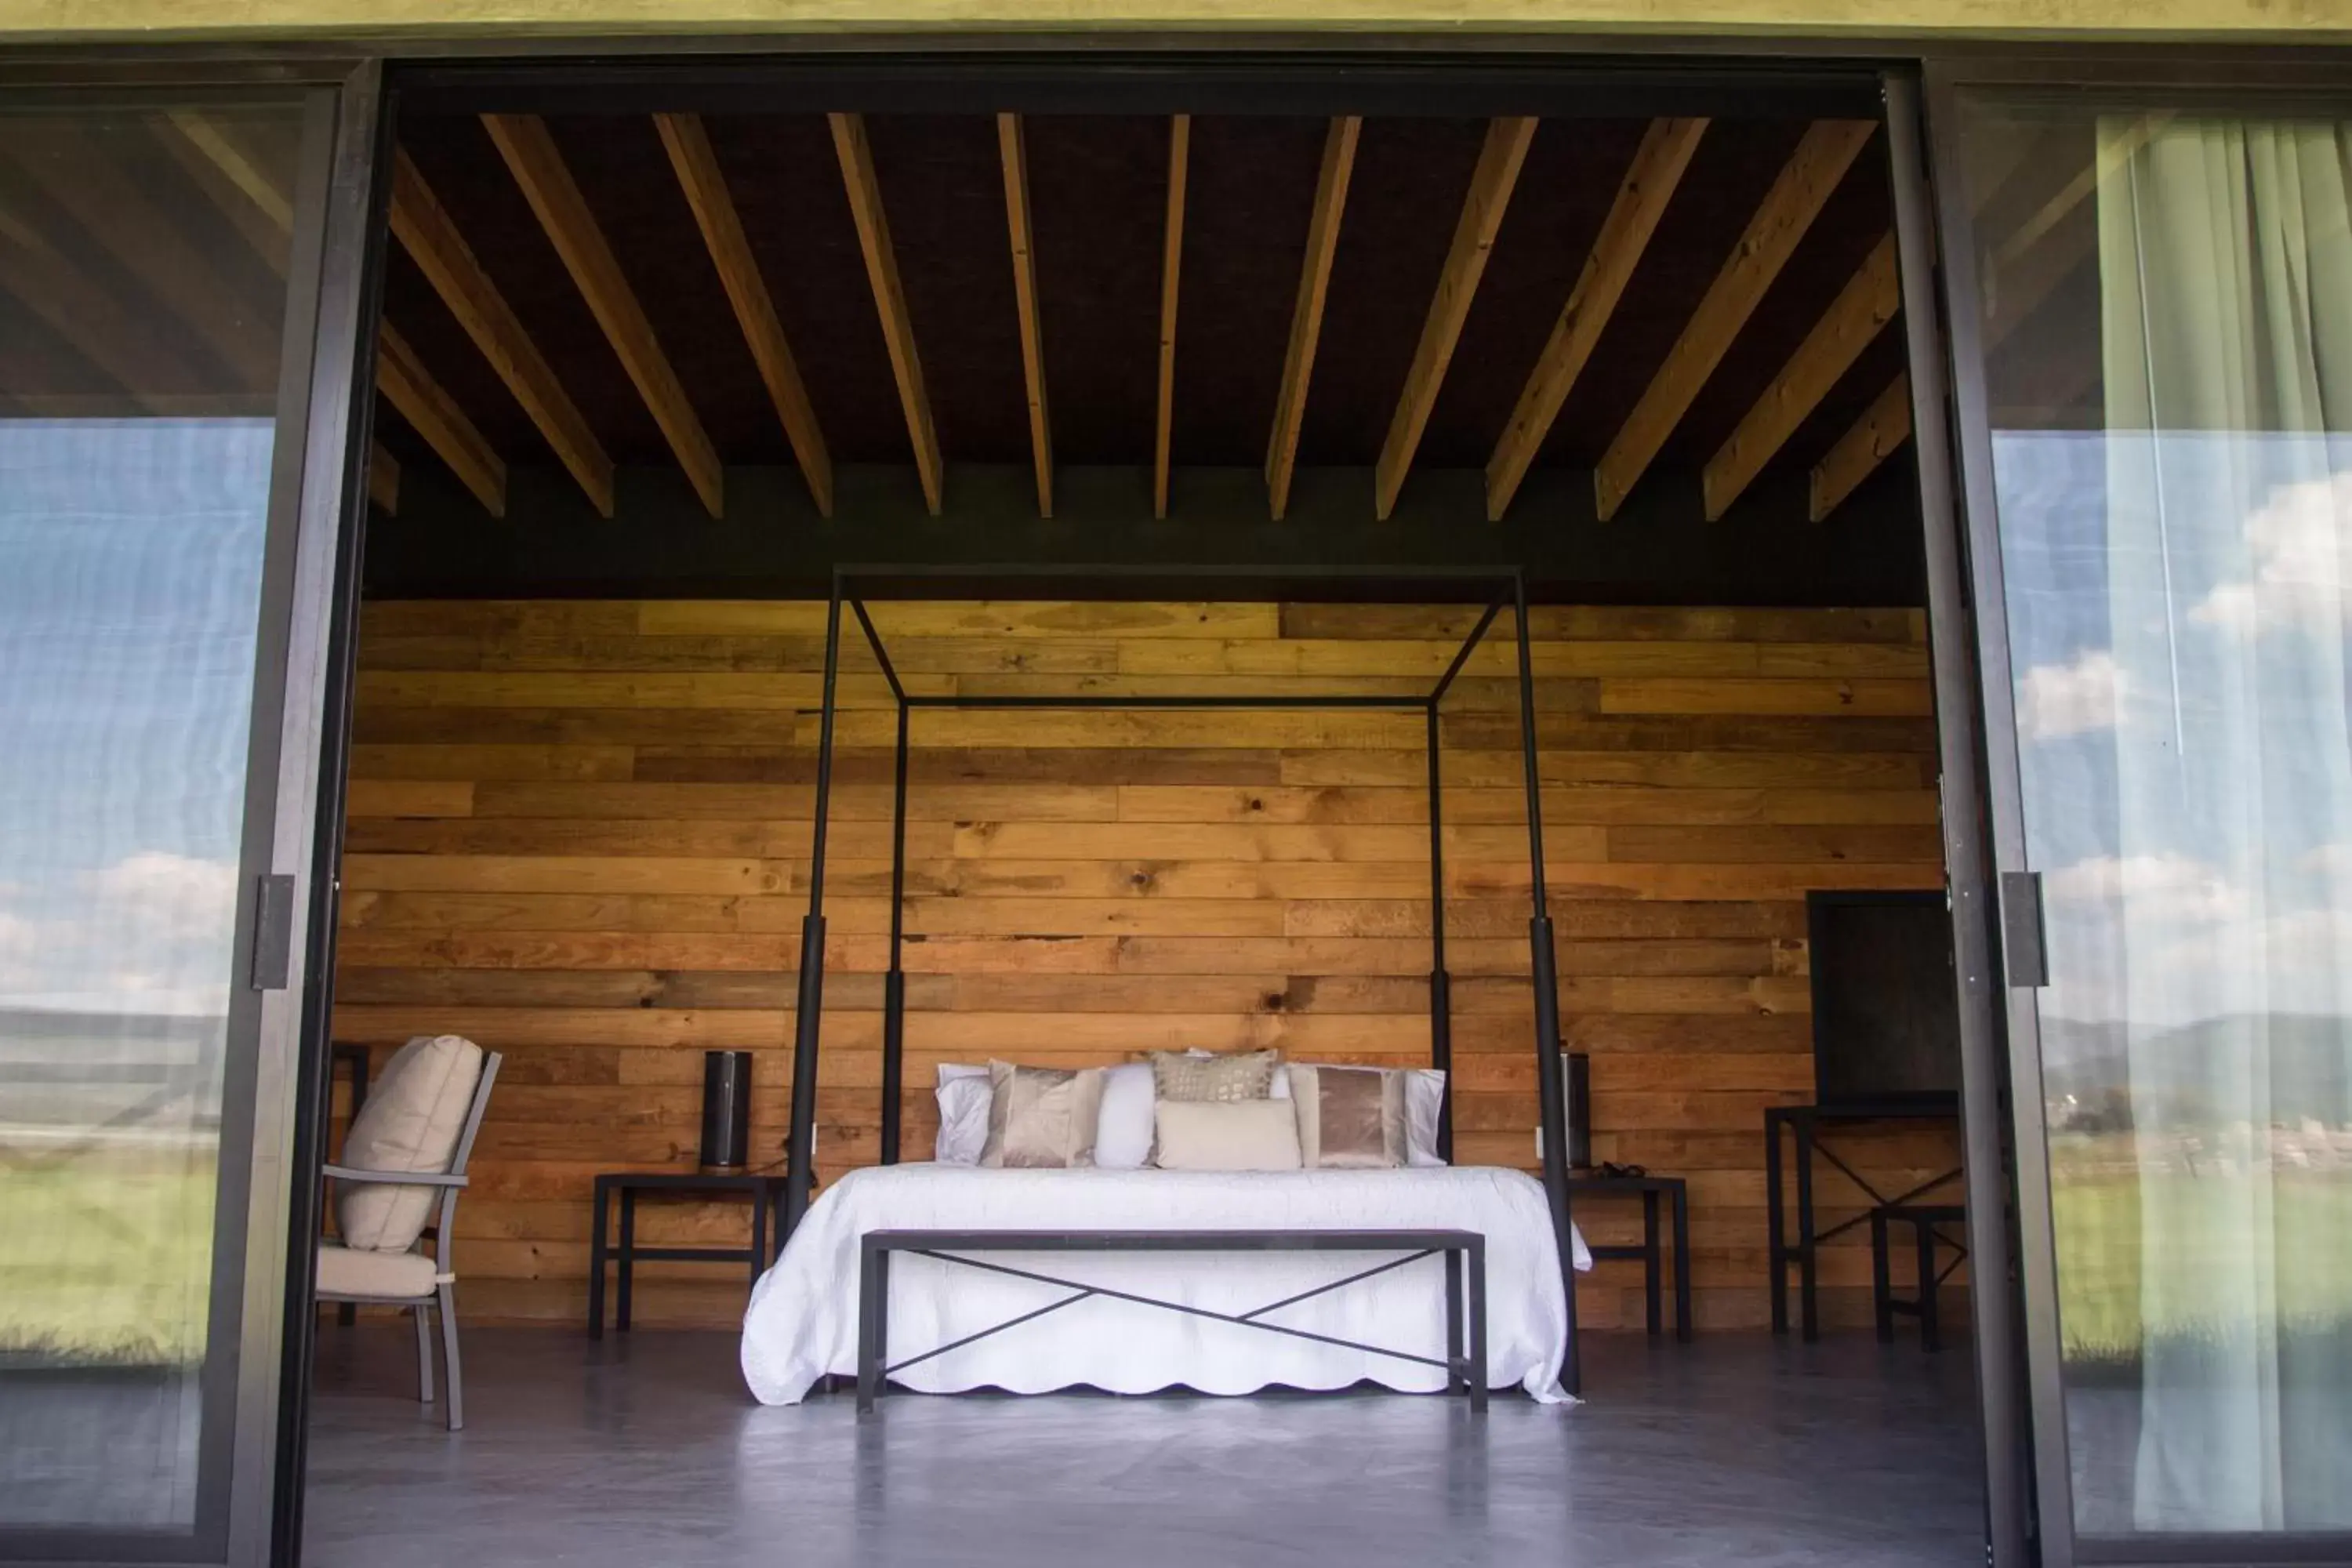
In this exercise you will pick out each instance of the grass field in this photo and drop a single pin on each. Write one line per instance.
(103, 1263)
(106, 1264)
(2108, 1273)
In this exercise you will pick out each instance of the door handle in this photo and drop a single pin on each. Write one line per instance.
(2024, 939)
(273, 934)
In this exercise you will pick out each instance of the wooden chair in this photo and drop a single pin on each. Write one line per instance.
(412, 1278)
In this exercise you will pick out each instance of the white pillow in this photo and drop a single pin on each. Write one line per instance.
(965, 1097)
(1123, 1127)
(1424, 1105)
(1227, 1135)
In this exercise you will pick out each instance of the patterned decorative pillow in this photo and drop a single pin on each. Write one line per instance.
(1041, 1117)
(1236, 1075)
(1350, 1119)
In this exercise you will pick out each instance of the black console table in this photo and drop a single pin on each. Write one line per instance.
(1647, 1251)
(765, 1191)
(1804, 1123)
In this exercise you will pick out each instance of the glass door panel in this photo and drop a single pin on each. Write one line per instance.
(2163, 292)
(144, 310)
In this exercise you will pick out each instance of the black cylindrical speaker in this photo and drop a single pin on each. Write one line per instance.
(1579, 1110)
(726, 1109)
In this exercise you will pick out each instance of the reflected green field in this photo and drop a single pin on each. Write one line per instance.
(105, 1265)
(2115, 1289)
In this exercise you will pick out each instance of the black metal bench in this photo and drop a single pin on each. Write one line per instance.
(1463, 1362)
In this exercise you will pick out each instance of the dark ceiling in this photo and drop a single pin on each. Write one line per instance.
(1098, 186)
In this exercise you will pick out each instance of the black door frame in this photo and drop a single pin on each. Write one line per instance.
(2223, 79)
(1082, 78)
(1094, 77)
(260, 1188)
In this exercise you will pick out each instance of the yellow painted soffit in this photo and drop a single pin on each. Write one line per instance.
(2112, 20)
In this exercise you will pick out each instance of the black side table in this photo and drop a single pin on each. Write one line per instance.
(1647, 1253)
(766, 1193)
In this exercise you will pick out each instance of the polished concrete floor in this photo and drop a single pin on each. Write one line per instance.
(646, 1451)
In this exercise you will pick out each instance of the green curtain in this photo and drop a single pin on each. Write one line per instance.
(2225, 278)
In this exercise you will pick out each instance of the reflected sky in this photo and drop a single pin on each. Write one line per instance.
(131, 556)
(2177, 621)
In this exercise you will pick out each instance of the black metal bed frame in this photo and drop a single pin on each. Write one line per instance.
(1495, 588)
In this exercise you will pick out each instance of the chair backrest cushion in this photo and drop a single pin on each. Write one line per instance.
(414, 1111)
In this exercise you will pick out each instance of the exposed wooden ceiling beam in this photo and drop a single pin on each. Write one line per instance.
(2044, 250)
(252, 199)
(1491, 184)
(91, 319)
(715, 213)
(2020, 276)
(1853, 319)
(383, 480)
(530, 154)
(1307, 314)
(181, 277)
(1804, 184)
(409, 387)
(1882, 429)
(2113, 154)
(423, 227)
(856, 155)
(240, 163)
(237, 177)
(1180, 159)
(1649, 183)
(1014, 156)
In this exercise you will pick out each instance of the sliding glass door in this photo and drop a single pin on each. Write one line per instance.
(2152, 303)
(161, 602)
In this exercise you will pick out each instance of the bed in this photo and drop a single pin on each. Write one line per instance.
(803, 1322)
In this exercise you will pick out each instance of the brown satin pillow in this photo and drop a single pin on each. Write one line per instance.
(1236, 1075)
(1041, 1117)
(1350, 1119)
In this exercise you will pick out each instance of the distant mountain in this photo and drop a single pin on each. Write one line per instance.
(2307, 1057)
(56, 1024)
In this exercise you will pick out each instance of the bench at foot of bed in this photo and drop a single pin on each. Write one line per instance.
(1464, 1251)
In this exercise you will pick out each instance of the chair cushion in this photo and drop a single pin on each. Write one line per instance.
(413, 1113)
(344, 1272)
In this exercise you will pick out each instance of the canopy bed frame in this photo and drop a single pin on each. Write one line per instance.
(1494, 588)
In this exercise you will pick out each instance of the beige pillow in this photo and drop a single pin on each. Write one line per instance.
(1228, 1135)
(1041, 1117)
(1350, 1119)
(415, 1111)
(1236, 1075)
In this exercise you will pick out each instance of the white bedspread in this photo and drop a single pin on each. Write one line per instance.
(803, 1320)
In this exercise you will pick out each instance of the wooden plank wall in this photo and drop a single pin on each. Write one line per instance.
(579, 835)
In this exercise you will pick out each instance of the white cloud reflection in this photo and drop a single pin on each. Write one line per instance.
(2055, 700)
(150, 933)
(2165, 886)
(2297, 538)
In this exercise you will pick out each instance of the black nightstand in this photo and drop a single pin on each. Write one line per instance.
(765, 1191)
(1648, 1253)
